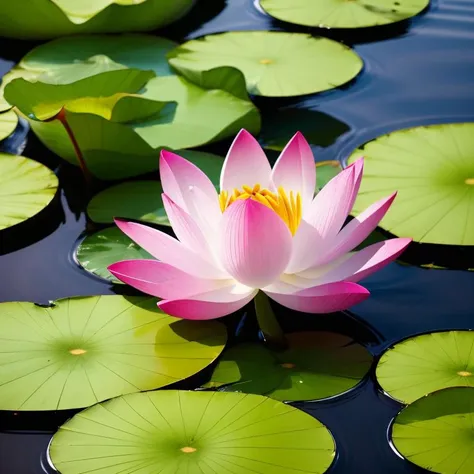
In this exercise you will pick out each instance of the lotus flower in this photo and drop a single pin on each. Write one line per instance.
(265, 231)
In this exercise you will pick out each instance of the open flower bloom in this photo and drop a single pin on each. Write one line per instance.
(265, 231)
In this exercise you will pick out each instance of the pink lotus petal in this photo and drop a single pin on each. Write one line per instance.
(162, 280)
(255, 243)
(324, 298)
(357, 230)
(295, 169)
(367, 261)
(187, 186)
(185, 228)
(358, 172)
(169, 250)
(308, 245)
(211, 305)
(331, 206)
(245, 164)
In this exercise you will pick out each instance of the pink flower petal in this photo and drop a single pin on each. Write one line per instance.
(162, 280)
(324, 298)
(187, 186)
(331, 206)
(169, 250)
(245, 164)
(358, 172)
(367, 261)
(356, 231)
(255, 243)
(295, 169)
(211, 305)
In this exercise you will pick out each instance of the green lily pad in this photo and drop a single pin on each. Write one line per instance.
(436, 431)
(345, 14)
(274, 64)
(141, 200)
(316, 365)
(192, 432)
(97, 251)
(325, 171)
(432, 168)
(85, 350)
(26, 188)
(67, 17)
(423, 364)
(8, 123)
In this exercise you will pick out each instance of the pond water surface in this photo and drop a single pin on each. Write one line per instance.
(416, 73)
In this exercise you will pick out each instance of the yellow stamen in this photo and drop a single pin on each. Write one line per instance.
(288, 208)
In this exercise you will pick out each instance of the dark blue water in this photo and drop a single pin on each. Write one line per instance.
(417, 72)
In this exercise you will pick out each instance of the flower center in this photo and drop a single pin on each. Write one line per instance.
(289, 208)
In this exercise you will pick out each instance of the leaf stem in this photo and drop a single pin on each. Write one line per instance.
(267, 321)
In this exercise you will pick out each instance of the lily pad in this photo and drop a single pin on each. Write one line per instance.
(85, 350)
(432, 168)
(325, 171)
(436, 431)
(423, 364)
(345, 14)
(141, 200)
(194, 432)
(316, 365)
(26, 188)
(66, 17)
(8, 123)
(274, 64)
(97, 251)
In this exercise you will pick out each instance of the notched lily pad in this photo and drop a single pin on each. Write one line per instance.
(97, 251)
(316, 365)
(26, 188)
(195, 432)
(85, 350)
(343, 14)
(435, 432)
(423, 364)
(432, 167)
(274, 64)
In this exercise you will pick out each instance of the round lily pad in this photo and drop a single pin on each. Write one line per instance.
(84, 350)
(97, 251)
(174, 431)
(343, 14)
(132, 200)
(274, 64)
(436, 431)
(316, 365)
(325, 171)
(8, 123)
(423, 364)
(26, 188)
(432, 168)
(142, 200)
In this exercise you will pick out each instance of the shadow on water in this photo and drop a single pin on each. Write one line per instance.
(416, 72)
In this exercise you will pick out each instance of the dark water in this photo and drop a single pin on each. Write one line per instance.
(417, 72)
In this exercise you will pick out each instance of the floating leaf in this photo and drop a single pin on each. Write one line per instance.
(345, 14)
(273, 63)
(142, 200)
(325, 171)
(8, 123)
(433, 170)
(423, 364)
(97, 251)
(436, 431)
(66, 17)
(85, 350)
(194, 432)
(26, 187)
(316, 365)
